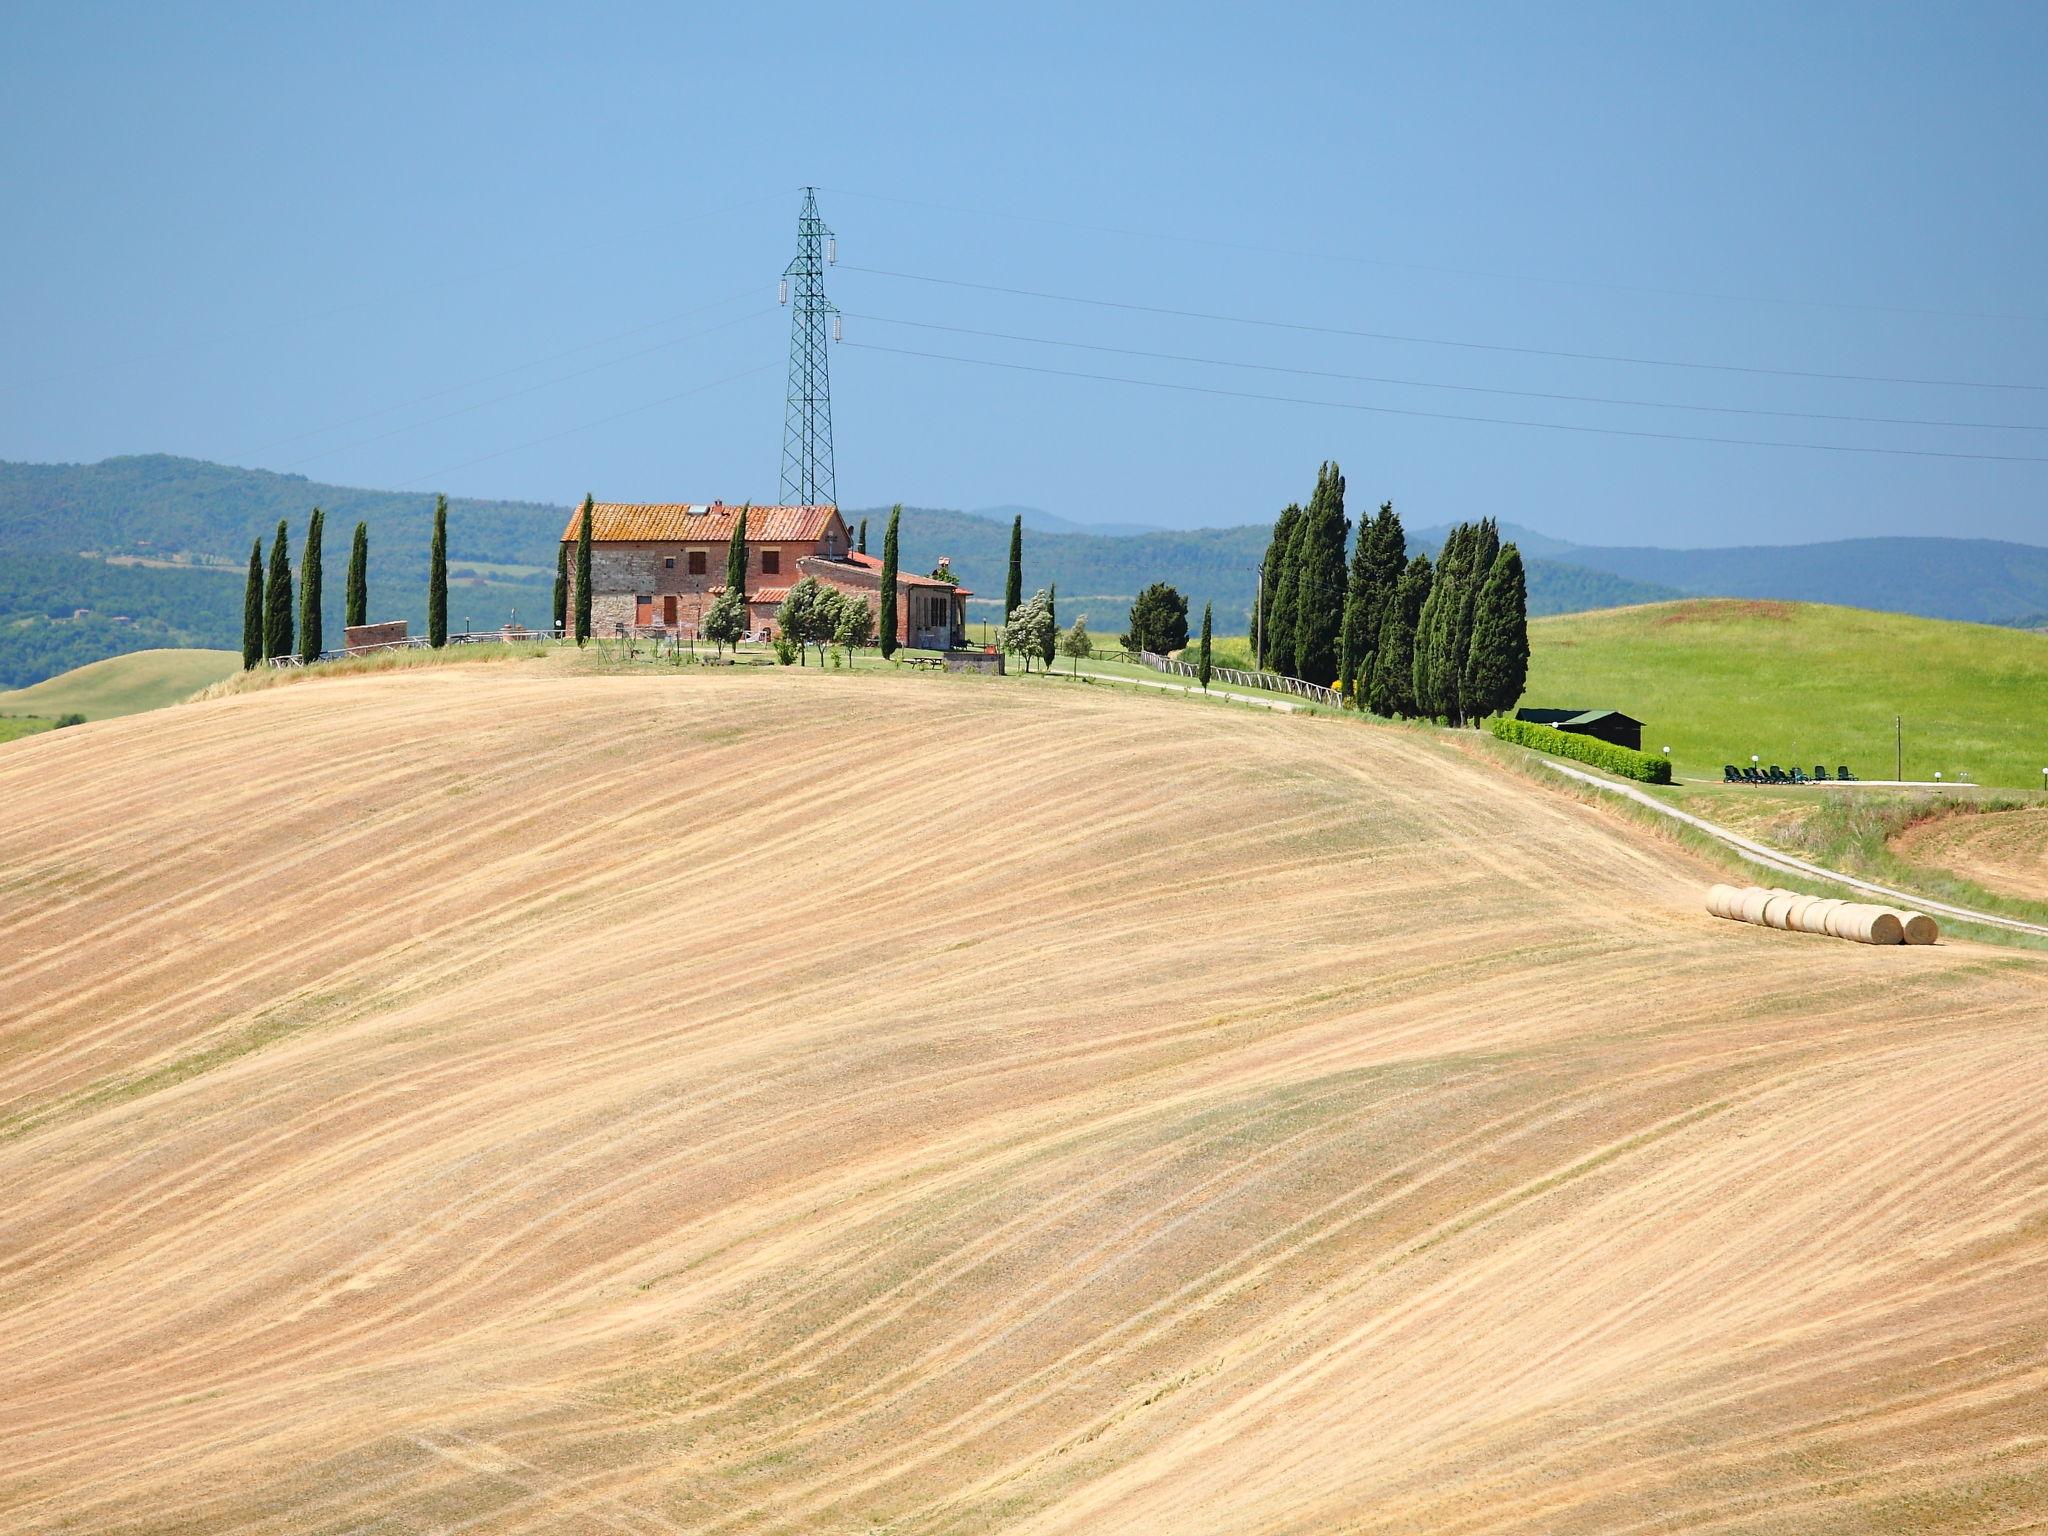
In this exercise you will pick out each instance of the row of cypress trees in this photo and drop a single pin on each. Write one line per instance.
(269, 628)
(1398, 636)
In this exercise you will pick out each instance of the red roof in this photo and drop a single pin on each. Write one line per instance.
(696, 522)
(903, 577)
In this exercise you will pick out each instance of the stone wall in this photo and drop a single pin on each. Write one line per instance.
(363, 637)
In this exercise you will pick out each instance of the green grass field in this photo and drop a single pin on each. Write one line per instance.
(123, 685)
(1718, 679)
(14, 727)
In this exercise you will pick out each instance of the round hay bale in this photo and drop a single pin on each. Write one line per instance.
(1721, 900)
(1753, 899)
(1795, 913)
(1841, 922)
(1814, 917)
(1869, 925)
(1776, 910)
(1886, 927)
(1919, 927)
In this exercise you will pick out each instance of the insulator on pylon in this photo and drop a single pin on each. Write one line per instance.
(782, 291)
(838, 331)
(832, 252)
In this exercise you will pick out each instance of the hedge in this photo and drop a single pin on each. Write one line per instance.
(1650, 768)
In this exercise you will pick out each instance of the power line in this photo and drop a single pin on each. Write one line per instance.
(492, 378)
(529, 389)
(1498, 421)
(1480, 389)
(385, 297)
(603, 421)
(1417, 266)
(1436, 341)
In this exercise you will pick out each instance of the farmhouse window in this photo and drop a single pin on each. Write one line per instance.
(696, 562)
(771, 562)
(668, 562)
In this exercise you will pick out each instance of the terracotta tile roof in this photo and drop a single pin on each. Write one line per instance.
(755, 594)
(821, 566)
(684, 522)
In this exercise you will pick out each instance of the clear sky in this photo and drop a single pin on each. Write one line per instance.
(334, 239)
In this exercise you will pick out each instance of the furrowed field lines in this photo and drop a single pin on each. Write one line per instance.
(500, 1099)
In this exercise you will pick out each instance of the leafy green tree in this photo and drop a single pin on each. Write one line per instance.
(583, 570)
(437, 578)
(736, 557)
(725, 621)
(1377, 560)
(1076, 644)
(1498, 667)
(887, 621)
(1276, 590)
(1159, 621)
(312, 623)
(277, 598)
(809, 615)
(1052, 628)
(561, 586)
(1317, 607)
(252, 609)
(357, 602)
(1013, 583)
(856, 627)
(1202, 665)
(1391, 689)
(1028, 631)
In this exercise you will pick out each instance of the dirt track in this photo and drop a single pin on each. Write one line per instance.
(485, 1100)
(2003, 851)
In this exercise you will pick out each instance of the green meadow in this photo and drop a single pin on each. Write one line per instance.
(123, 685)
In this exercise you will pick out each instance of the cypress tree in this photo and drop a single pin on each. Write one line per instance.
(1482, 547)
(583, 569)
(735, 556)
(1391, 689)
(1052, 625)
(561, 586)
(1202, 665)
(437, 578)
(1435, 679)
(1317, 607)
(885, 622)
(1274, 584)
(277, 598)
(1013, 584)
(863, 536)
(1498, 666)
(358, 609)
(312, 623)
(1376, 566)
(252, 609)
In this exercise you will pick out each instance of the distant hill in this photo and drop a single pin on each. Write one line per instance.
(124, 685)
(1039, 520)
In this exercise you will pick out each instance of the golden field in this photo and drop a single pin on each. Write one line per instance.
(495, 1099)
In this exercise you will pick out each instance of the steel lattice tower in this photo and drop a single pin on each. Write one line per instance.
(807, 478)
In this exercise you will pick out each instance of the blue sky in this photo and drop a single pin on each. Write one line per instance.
(373, 243)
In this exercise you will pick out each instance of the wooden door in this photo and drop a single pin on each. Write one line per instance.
(668, 609)
(643, 610)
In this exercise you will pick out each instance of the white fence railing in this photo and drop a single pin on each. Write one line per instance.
(1236, 678)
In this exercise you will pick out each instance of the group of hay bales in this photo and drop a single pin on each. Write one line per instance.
(1773, 907)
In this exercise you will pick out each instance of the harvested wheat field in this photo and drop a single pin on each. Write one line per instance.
(2003, 851)
(502, 1100)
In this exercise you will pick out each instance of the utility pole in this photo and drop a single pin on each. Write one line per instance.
(807, 477)
(1898, 750)
(1259, 621)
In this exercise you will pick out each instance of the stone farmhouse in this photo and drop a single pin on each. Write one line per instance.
(657, 567)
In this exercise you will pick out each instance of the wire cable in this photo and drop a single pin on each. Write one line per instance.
(1433, 341)
(1417, 266)
(1480, 389)
(1498, 421)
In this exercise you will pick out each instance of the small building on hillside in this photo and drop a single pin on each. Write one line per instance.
(658, 567)
(1609, 725)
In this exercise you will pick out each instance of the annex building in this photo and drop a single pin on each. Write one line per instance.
(657, 567)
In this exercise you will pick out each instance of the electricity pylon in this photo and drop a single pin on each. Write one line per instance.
(807, 478)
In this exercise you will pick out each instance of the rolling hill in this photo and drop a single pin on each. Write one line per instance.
(123, 685)
(1801, 683)
(517, 1100)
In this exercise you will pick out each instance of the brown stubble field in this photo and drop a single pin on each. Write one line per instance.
(496, 1099)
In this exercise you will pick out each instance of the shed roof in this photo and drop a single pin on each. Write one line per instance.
(697, 522)
(1573, 716)
(872, 566)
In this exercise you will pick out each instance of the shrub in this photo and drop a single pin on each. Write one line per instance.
(70, 719)
(1649, 768)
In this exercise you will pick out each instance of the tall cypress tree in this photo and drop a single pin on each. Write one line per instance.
(1498, 667)
(583, 568)
(885, 621)
(312, 622)
(1391, 689)
(277, 598)
(1377, 562)
(358, 610)
(1052, 626)
(1275, 583)
(561, 586)
(736, 558)
(1435, 674)
(437, 578)
(252, 609)
(1202, 665)
(1317, 607)
(1013, 583)
(1481, 549)
(863, 546)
